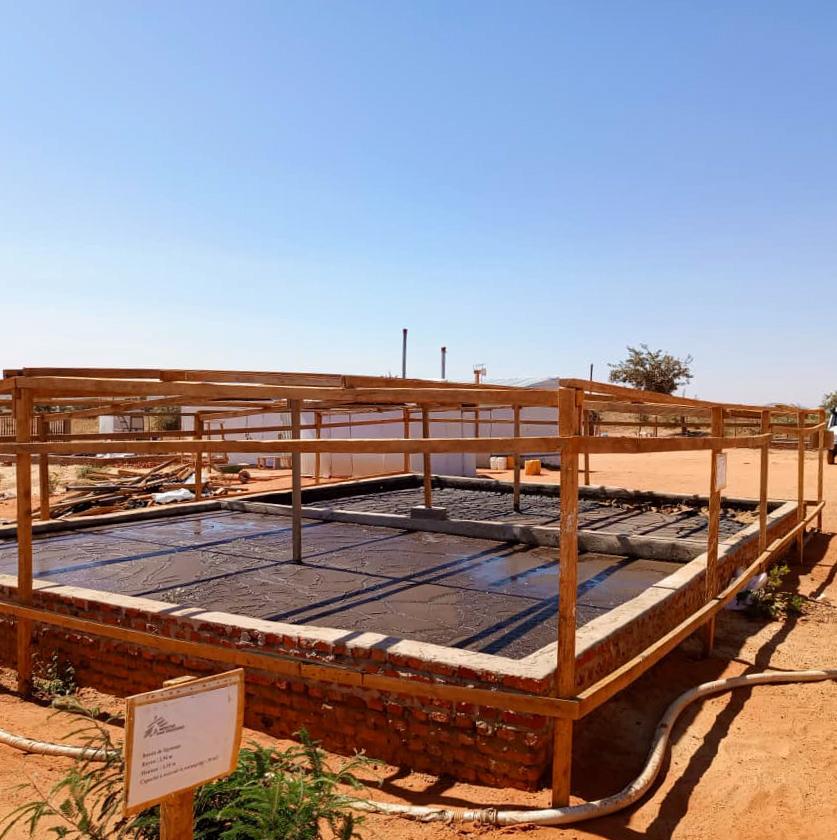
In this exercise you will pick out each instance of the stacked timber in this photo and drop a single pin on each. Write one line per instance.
(107, 491)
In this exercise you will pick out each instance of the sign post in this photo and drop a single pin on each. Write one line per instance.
(177, 738)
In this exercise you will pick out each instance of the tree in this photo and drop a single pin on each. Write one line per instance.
(652, 370)
(829, 401)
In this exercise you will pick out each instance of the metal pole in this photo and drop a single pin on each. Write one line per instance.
(404, 353)
(444, 354)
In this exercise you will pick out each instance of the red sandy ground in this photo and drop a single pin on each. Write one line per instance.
(758, 763)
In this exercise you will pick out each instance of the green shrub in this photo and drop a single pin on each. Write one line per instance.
(287, 795)
(54, 678)
(769, 601)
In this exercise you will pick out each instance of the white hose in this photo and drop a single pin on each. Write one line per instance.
(610, 804)
(492, 816)
(27, 745)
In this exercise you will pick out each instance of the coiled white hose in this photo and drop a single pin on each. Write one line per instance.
(610, 804)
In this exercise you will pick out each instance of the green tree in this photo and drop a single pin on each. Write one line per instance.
(829, 401)
(652, 370)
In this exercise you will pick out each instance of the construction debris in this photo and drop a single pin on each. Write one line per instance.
(110, 490)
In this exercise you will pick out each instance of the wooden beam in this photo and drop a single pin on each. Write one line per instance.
(427, 479)
(23, 474)
(582, 412)
(614, 406)
(378, 446)
(509, 445)
(713, 532)
(43, 470)
(177, 816)
(273, 407)
(820, 463)
(318, 433)
(121, 407)
(199, 459)
(516, 479)
(296, 484)
(612, 445)
(567, 591)
(763, 482)
(334, 380)
(191, 391)
(636, 395)
(406, 412)
(800, 485)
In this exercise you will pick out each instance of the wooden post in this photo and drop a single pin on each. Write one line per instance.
(318, 427)
(714, 527)
(582, 412)
(428, 481)
(177, 811)
(800, 483)
(23, 476)
(763, 476)
(567, 588)
(820, 463)
(406, 437)
(516, 495)
(296, 482)
(199, 459)
(43, 470)
(177, 816)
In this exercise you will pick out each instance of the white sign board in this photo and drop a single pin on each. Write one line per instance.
(180, 737)
(720, 470)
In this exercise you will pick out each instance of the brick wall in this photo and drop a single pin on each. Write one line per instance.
(606, 643)
(470, 743)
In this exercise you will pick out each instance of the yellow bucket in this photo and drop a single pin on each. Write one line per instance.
(532, 467)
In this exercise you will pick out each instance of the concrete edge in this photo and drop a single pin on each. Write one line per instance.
(598, 542)
(594, 631)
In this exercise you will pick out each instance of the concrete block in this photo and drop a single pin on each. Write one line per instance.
(422, 512)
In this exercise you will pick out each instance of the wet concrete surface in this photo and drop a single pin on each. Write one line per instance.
(482, 595)
(496, 506)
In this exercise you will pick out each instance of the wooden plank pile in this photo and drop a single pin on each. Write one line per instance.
(109, 490)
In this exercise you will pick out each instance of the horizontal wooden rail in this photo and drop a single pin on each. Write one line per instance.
(637, 396)
(338, 445)
(523, 445)
(615, 445)
(72, 386)
(254, 376)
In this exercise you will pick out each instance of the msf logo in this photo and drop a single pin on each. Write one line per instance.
(160, 726)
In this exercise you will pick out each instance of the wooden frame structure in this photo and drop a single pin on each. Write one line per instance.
(231, 394)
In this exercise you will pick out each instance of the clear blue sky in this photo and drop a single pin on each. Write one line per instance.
(535, 185)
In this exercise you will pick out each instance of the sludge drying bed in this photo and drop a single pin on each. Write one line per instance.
(475, 594)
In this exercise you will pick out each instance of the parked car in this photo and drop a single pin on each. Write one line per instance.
(831, 434)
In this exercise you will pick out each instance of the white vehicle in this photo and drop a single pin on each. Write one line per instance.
(831, 435)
